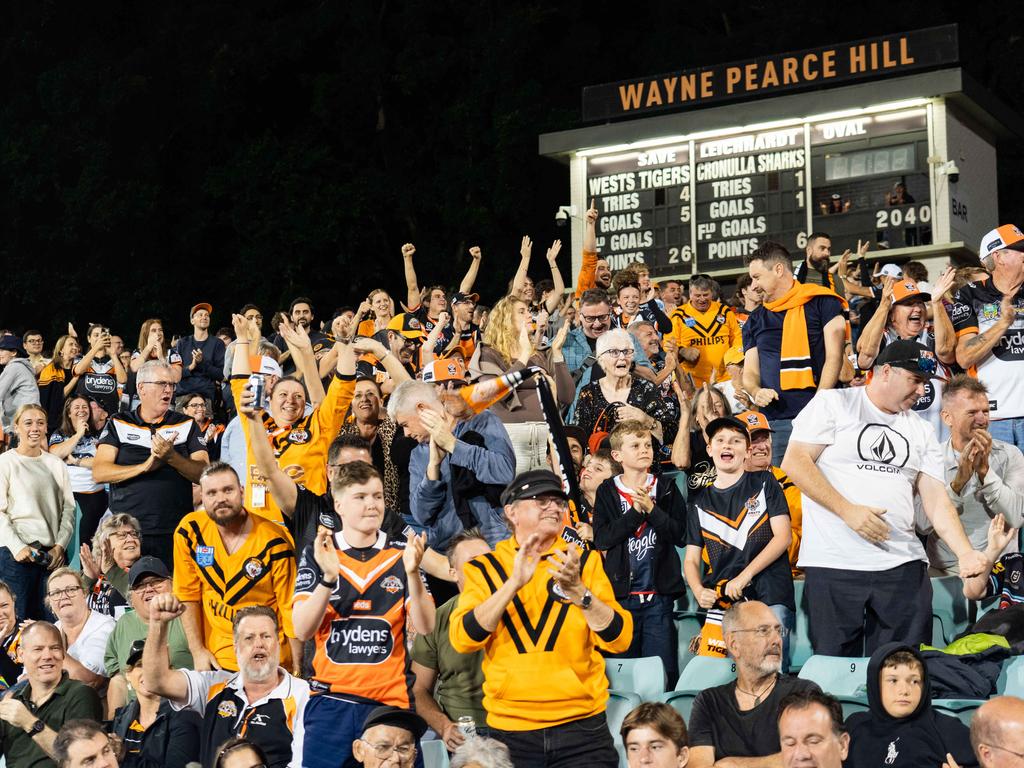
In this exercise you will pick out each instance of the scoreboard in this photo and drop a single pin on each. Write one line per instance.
(703, 204)
(883, 141)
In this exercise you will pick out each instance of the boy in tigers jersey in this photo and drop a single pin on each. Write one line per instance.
(224, 559)
(353, 592)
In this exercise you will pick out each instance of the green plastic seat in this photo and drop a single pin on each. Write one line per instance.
(644, 677)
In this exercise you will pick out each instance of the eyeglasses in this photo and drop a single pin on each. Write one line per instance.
(196, 405)
(996, 746)
(550, 502)
(68, 592)
(618, 352)
(122, 535)
(153, 583)
(766, 631)
(595, 319)
(160, 384)
(384, 751)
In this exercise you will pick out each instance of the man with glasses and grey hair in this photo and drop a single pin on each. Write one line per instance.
(997, 732)
(740, 719)
(151, 456)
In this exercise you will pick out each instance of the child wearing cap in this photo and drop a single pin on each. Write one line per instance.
(638, 522)
(739, 527)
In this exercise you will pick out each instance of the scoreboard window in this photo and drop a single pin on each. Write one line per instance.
(870, 179)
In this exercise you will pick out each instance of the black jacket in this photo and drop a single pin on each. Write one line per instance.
(612, 529)
(172, 741)
(920, 740)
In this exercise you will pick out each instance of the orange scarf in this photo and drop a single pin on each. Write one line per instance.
(795, 359)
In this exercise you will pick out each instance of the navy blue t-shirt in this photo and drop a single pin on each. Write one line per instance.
(763, 330)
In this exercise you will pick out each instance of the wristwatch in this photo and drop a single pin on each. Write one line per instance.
(37, 727)
(329, 584)
(588, 598)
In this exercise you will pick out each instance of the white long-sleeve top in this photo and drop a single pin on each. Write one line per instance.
(36, 501)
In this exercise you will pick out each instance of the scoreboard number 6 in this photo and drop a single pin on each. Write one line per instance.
(897, 217)
(680, 255)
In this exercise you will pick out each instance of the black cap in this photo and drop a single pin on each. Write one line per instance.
(532, 484)
(147, 566)
(911, 356)
(10, 342)
(731, 422)
(135, 652)
(577, 433)
(400, 718)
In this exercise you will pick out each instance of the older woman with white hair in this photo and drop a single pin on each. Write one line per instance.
(482, 753)
(618, 395)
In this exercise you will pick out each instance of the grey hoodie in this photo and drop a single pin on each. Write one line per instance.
(17, 387)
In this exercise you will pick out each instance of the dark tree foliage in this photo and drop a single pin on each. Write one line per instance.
(157, 154)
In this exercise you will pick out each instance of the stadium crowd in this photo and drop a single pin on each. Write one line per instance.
(426, 525)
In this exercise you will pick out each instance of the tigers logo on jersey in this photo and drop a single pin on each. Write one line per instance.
(298, 437)
(227, 709)
(391, 584)
(253, 568)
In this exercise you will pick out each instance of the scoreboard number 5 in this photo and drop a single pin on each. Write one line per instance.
(896, 217)
(680, 255)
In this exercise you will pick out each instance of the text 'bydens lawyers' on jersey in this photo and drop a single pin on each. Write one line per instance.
(303, 444)
(273, 722)
(712, 332)
(260, 572)
(976, 308)
(541, 664)
(360, 643)
(158, 499)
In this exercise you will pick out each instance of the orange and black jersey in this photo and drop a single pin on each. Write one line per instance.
(303, 443)
(541, 664)
(260, 572)
(712, 332)
(360, 643)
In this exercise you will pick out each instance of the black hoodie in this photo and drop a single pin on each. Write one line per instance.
(920, 740)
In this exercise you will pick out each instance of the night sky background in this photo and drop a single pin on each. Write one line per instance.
(153, 155)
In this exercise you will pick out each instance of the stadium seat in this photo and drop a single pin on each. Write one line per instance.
(702, 672)
(949, 610)
(838, 675)
(962, 709)
(644, 677)
(435, 755)
(1011, 679)
(687, 625)
(620, 704)
(852, 705)
(705, 672)
(800, 640)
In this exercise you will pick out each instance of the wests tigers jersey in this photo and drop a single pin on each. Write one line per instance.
(260, 572)
(360, 643)
(712, 332)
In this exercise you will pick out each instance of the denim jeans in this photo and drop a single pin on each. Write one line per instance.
(1008, 430)
(330, 726)
(28, 584)
(654, 633)
(585, 743)
(781, 430)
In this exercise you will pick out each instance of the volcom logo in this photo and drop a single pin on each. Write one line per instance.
(881, 444)
(882, 450)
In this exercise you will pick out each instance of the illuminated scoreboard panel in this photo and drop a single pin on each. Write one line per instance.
(703, 205)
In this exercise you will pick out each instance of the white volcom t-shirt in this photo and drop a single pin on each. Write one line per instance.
(871, 458)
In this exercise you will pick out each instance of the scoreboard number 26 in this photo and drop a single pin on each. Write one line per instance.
(898, 217)
(680, 255)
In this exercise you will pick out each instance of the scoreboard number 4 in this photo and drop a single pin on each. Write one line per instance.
(897, 217)
(680, 255)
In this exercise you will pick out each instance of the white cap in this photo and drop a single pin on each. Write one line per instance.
(1006, 237)
(891, 270)
(270, 367)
